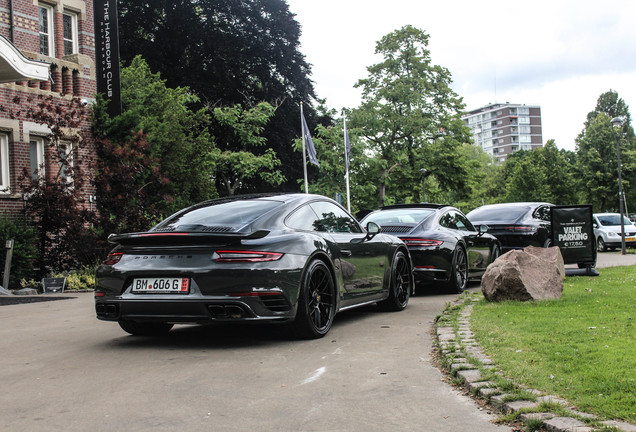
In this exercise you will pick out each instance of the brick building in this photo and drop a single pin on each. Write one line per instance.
(47, 48)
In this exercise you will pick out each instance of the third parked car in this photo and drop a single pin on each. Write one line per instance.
(516, 225)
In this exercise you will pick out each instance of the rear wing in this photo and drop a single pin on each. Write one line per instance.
(182, 238)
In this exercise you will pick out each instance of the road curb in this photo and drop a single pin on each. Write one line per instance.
(463, 359)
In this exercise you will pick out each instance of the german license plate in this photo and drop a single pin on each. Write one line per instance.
(161, 285)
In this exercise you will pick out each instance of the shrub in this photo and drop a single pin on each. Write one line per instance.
(24, 249)
(81, 279)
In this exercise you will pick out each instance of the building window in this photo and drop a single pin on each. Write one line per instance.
(4, 163)
(69, 26)
(36, 151)
(46, 29)
(66, 166)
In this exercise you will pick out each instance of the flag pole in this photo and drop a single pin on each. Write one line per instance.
(346, 138)
(302, 133)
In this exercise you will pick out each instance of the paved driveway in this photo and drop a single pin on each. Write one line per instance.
(62, 370)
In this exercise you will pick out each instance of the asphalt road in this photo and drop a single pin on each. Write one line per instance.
(63, 370)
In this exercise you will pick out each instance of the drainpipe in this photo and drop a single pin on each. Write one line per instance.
(11, 21)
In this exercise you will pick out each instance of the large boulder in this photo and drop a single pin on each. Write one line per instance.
(530, 274)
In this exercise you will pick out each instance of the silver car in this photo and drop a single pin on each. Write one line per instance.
(607, 230)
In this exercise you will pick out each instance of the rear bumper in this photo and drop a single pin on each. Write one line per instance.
(199, 310)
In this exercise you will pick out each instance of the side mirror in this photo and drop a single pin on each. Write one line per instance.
(594, 225)
(373, 228)
(483, 229)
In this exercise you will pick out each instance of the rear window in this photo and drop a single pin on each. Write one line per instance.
(497, 214)
(399, 216)
(232, 214)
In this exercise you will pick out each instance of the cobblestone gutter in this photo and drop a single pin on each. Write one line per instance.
(464, 359)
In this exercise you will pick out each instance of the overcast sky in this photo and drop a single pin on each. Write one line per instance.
(561, 55)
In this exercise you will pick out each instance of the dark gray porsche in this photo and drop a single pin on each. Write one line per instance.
(295, 258)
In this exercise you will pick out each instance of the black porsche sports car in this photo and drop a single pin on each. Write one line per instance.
(298, 258)
(444, 245)
(517, 224)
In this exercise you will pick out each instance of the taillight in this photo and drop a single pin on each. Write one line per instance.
(521, 228)
(245, 256)
(113, 258)
(422, 242)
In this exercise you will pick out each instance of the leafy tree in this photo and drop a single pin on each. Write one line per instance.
(560, 172)
(157, 123)
(597, 154)
(543, 174)
(56, 198)
(236, 161)
(228, 52)
(329, 180)
(410, 119)
(482, 180)
(598, 164)
(131, 188)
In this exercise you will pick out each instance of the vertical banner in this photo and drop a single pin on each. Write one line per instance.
(107, 54)
(573, 233)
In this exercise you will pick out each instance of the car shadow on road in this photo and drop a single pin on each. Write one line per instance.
(234, 335)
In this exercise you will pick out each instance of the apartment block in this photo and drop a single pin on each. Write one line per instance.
(504, 128)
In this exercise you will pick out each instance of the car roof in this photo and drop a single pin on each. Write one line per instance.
(415, 205)
(517, 204)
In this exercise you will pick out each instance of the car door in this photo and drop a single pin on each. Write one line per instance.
(477, 244)
(543, 219)
(362, 263)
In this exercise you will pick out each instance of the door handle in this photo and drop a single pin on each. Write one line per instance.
(345, 252)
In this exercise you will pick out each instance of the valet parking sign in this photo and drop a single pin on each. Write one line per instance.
(573, 233)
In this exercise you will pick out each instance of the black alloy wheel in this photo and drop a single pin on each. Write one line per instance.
(401, 285)
(459, 272)
(137, 328)
(316, 302)
(600, 245)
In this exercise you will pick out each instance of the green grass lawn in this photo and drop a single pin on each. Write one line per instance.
(581, 347)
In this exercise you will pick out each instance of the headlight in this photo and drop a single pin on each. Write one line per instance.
(612, 234)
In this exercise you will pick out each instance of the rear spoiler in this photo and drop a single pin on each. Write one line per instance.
(181, 238)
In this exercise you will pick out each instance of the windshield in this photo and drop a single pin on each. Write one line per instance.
(399, 216)
(232, 213)
(613, 220)
(497, 214)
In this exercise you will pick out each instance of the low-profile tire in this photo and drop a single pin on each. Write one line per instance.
(459, 271)
(137, 328)
(316, 302)
(401, 285)
(600, 245)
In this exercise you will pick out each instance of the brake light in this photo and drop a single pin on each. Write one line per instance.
(521, 228)
(422, 242)
(113, 258)
(245, 256)
(163, 234)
